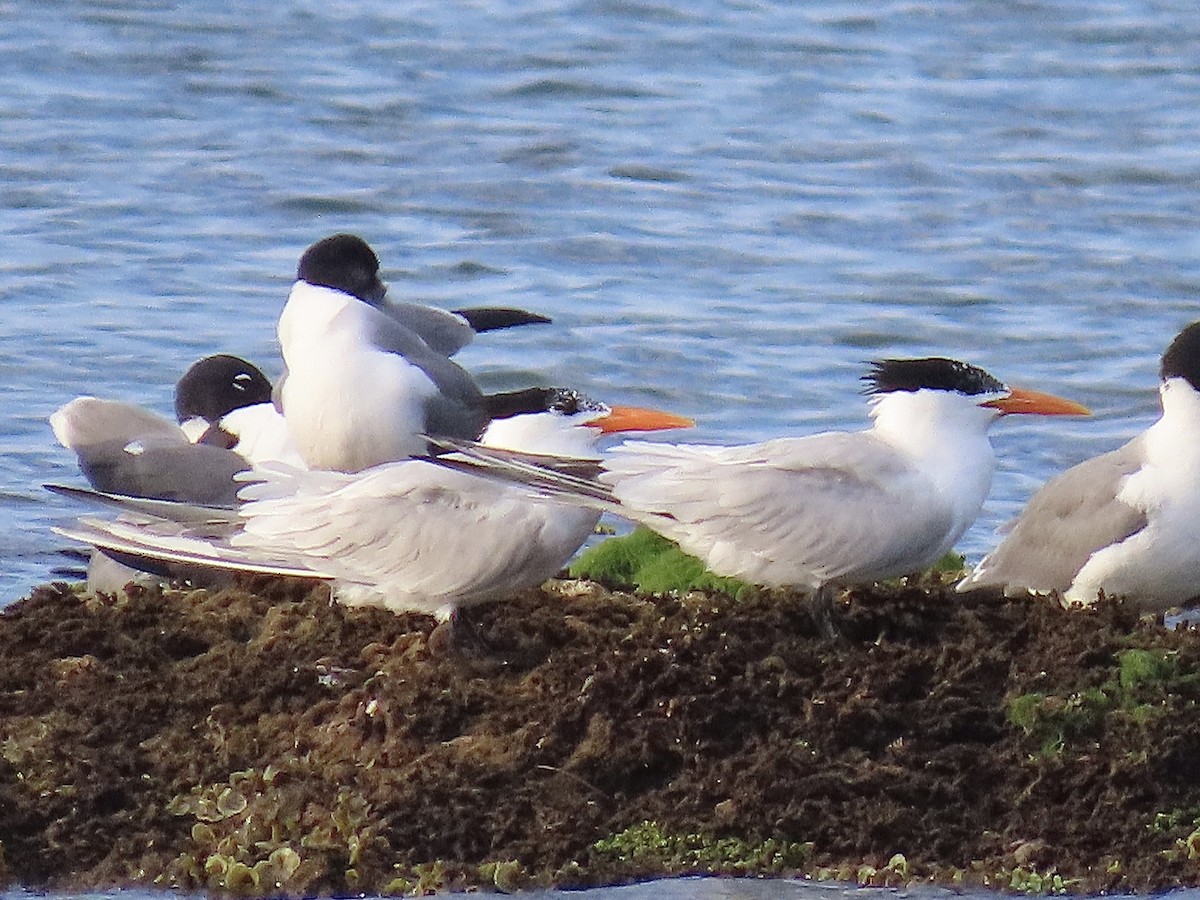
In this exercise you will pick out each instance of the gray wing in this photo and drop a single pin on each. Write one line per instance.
(792, 511)
(797, 511)
(458, 409)
(176, 511)
(145, 538)
(410, 535)
(123, 449)
(448, 332)
(443, 332)
(190, 473)
(1072, 516)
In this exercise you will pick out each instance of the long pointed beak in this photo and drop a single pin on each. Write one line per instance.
(1023, 402)
(635, 418)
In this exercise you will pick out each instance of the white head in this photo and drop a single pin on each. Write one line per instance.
(563, 422)
(917, 400)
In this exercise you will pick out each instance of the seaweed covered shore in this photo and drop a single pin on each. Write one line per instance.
(262, 741)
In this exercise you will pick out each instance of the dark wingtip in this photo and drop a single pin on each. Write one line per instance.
(493, 318)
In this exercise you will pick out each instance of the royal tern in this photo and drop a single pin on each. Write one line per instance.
(366, 378)
(817, 511)
(409, 535)
(1125, 523)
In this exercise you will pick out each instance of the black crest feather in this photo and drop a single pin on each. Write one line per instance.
(537, 400)
(933, 373)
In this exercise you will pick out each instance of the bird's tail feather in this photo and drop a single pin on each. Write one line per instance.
(172, 542)
(558, 477)
(174, 510)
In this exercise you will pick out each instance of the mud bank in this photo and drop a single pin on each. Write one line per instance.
(262, 741)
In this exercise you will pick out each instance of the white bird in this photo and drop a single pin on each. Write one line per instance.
(408, 535)
(816, 511)
(1125, 523)
(366, 378)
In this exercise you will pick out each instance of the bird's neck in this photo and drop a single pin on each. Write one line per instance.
(945, 435)
(1174, 440)
(307, 314)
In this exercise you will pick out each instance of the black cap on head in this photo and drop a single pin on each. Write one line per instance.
(933, 373)
(537, 400)
(345, 263)
(1182, 358)
(217, 385)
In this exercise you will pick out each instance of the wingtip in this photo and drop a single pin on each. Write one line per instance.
(495, 318)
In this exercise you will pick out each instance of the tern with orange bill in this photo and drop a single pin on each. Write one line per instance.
(409, 535)
(819, 511)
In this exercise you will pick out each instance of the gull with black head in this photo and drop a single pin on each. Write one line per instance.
(127, 449)
(366, 378)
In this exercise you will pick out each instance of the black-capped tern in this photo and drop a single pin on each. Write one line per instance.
(817, 511)
(408, 535)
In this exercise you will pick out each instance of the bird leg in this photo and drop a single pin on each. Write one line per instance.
(821, 609)
(458, 634)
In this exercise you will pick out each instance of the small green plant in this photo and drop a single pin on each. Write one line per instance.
(1139, 688)
(648, 562)
(647, 844)
(1054, 721)
(951, 567)
(1030, 881)
(1176, 818)
(507, 876)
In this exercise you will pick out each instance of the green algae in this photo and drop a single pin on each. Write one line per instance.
(647, 562)
(648, 845)
(266, 830)
(1141, 686)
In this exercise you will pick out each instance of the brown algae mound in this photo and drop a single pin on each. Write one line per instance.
(265, 742)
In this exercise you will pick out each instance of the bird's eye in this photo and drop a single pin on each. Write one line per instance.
(566, 402)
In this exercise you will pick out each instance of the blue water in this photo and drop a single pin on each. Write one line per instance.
(726, 207)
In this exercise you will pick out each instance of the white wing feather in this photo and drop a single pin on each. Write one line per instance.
(793, 511)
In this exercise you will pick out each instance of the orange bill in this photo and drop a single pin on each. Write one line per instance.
(1023, 402)
(635, 418)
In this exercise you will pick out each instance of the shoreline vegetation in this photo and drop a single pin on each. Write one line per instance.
(258, 740)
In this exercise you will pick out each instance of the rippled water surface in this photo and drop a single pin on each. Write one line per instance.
(726, 207)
